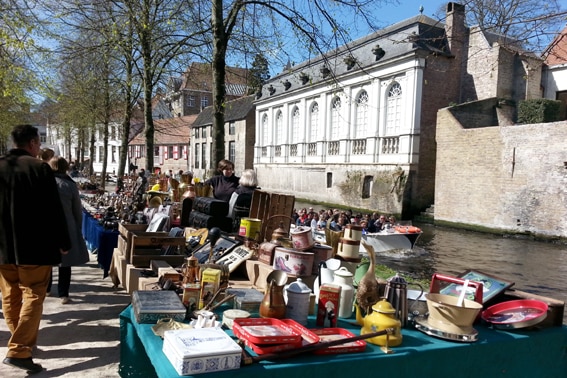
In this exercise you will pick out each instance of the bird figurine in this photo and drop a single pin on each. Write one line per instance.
(368, 292)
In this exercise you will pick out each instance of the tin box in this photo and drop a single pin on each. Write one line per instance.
(246, 299)
(293, 262)
(203, 350)
(151, 305)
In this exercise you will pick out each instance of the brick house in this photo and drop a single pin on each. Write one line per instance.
(357, 126)
(555, 70)
(171, 144)
(193, 91)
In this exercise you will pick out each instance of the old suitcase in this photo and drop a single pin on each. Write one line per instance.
(201, 220)
(210, 206)
(150, 306)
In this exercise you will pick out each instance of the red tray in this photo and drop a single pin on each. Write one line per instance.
(261, 331)
(307, 338)
(330, 334)
(516, 314)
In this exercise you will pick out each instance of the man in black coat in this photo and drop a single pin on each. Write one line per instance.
(33, 235)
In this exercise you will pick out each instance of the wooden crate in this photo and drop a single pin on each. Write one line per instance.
(125, 228)
(153, 240)
(141, 257)
(272, 209)
(127, 232)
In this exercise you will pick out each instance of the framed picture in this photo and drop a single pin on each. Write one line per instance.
(491, 286)
(222, 246)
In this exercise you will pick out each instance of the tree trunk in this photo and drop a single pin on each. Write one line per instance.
(219, 91)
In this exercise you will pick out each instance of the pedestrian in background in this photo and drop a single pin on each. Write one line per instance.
(78, 254)
(27, 191)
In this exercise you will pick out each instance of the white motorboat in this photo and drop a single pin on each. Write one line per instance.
(402, 237)
(399, 237)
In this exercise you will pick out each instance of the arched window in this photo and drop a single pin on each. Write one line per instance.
(335, 117)
(361, 121)
(394, 109)
(314, 122)
(279, 128)
(265, 130)
(295, 125)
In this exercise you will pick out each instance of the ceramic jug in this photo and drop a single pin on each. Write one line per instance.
(343, 278)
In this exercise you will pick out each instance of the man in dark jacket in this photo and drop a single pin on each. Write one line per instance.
(33, 236)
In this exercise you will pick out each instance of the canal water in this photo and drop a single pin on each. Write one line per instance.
(535, 267)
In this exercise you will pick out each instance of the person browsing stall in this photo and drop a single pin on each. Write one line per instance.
(78, 254)
(226, 182)
(27, 251)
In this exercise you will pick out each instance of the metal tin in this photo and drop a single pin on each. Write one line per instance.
(151, 305)
(293, 262)
(204, 350)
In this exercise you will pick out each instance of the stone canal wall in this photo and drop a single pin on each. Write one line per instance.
(509, 178)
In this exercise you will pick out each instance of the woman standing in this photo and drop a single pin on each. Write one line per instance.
(78, 254)
(226, 183)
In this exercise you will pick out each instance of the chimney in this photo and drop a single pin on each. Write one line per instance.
(455, 27)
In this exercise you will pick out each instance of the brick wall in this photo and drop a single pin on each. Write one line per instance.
(510, 178)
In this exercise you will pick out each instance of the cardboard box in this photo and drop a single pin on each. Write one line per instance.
(114, 271)
(133, 274)
(210, 282)
(151, 305)
(148, 283)
(121, 267)
(204, 350)
(328, 306)
(164, 269)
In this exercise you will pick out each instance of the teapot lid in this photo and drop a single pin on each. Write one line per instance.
(384, 307)
(298, 287)
(397, 279)
(343, 272)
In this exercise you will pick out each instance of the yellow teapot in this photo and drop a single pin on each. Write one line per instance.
(383, 316)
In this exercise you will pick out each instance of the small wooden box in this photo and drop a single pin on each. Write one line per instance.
(152, 305)
(164, 269)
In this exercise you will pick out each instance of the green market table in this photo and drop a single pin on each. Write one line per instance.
(496, 353)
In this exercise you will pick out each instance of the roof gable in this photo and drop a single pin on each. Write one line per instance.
(175, 130)
(235, 110)
(556, 52)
